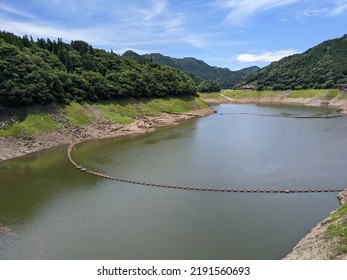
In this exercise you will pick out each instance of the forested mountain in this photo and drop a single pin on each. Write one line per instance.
(322, 66)
(198, 70)
(46, 71)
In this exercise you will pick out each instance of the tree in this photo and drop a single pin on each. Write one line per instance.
(68, 63)
(49, 71)
(208, 86)
(319, 67)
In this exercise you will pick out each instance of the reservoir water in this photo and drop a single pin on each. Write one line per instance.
(49, 210)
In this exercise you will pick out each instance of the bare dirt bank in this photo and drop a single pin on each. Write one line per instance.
(13, 147)
(315, 245)
(337, 102)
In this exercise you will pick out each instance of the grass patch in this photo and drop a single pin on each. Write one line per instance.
(342, 211)
(36, 121)
(201, 104)
(117, 112)
(124, 111)
(253, 94)
(337, 229)
(308, 93)
(77, 114)
(167, 105)
(315, 93)
(332, 93)
(214, 95)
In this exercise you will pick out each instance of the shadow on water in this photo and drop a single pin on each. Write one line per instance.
(169, 137)
(33, 180)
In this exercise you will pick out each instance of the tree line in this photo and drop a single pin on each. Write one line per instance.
(320, 67)
(198, 70)
(49, 71)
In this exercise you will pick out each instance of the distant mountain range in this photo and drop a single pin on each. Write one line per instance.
(323, 66)
(198, 70)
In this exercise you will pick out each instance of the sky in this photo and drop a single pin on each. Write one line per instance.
(224, 33)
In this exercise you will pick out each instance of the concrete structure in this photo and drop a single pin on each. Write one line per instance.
(342, 87)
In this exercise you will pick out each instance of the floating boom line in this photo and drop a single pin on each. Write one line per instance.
(228, 190)
(289, 116)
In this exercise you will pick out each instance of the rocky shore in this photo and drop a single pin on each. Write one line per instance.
(13, 147)
(317, 245)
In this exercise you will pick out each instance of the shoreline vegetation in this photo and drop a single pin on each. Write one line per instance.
(38, 128)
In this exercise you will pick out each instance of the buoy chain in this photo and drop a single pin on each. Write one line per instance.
(288, 116)
(206, 189)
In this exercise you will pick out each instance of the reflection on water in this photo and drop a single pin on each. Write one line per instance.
(48, 210)
(168, 137)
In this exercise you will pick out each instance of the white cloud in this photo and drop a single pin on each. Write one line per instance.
(127, 30)
(340, 8)
(49, 30)
(265, 57)
(241, 11)
(314, 12)
(157, 8)
(322, 8)
(11, 10)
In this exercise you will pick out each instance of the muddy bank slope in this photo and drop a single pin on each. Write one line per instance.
(25, 144)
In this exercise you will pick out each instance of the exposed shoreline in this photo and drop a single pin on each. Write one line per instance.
(315, 245)
(338, 103)
(14, 147)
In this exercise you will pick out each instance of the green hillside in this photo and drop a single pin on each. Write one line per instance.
(320, 67)
(38, 119)
(46, 71)
(198, 70)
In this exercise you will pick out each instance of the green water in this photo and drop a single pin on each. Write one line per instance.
(49, 210)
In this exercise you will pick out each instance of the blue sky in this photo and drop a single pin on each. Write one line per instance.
(224, 33)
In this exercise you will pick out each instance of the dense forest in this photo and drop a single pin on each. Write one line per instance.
(320, 67)
(48, 71)
(208, 86)
(198, 70)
